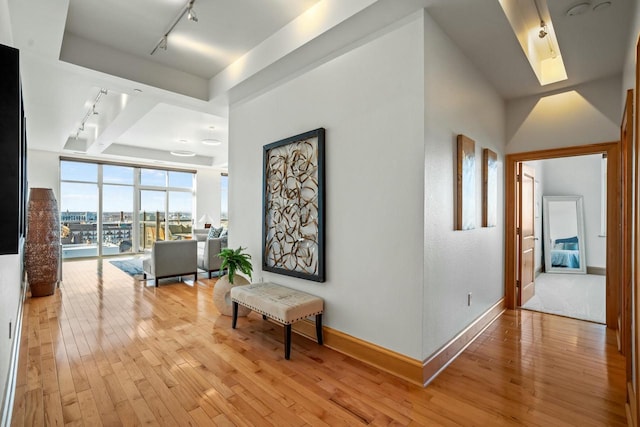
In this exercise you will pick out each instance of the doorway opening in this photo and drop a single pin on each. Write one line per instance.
(513, 218)
(569, 228)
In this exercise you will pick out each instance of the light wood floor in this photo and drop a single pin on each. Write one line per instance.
(107, 349)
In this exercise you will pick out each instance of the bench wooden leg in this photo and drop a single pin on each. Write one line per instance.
(287, 341)
(319, 328)
(234, 318)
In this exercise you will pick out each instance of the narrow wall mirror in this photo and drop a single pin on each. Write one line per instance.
(564, 245)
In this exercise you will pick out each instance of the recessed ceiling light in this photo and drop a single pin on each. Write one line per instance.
(211, 141)
(578, 9)
(601, 6)
(137, 90)
(182, 141)
(183, 153)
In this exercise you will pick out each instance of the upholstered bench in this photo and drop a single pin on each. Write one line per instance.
(282, 304)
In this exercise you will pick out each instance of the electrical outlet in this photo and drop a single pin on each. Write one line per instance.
(260, 279)
(469, 299)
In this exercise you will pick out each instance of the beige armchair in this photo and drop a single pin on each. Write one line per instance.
(208, 250)
(172, 258)
(208, 259)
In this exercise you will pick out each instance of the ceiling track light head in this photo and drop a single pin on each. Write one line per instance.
(191, 14)
(543, 30)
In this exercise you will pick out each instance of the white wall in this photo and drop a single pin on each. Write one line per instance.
(370, 101)
(10, 300)
(458, 100)
(580, 176)
(585, 114)
(43, 170)
(208, 195)
(6, 38)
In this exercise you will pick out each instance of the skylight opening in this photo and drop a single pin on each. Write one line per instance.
(531, 23)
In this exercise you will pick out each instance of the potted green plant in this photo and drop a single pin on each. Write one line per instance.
(233, 260)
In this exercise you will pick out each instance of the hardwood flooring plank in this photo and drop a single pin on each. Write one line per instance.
(90, 414)
(19, 406)
(155, 404)
(110, 350)
(101, 396)
(53, 410)
(127, 415)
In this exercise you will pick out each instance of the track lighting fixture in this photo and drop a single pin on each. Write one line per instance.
(191, 16)
(91, 112)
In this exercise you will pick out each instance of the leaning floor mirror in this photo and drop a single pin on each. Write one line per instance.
(564, 245)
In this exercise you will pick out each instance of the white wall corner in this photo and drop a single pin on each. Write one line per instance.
(458, 100)
(370, 101)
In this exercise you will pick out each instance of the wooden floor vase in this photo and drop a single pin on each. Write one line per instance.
(42, 252)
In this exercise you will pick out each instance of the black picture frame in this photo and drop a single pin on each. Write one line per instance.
(293, 206)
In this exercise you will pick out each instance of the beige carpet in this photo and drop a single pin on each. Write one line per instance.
(581, 296)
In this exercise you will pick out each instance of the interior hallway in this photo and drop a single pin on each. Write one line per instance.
(108, 350)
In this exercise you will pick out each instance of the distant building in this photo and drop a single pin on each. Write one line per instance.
(78, 217)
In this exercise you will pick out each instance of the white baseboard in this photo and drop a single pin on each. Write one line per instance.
(10, 386)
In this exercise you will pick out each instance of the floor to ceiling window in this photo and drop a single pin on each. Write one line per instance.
(110, 209)
(117, 209)
(224, 200)
(79, 209)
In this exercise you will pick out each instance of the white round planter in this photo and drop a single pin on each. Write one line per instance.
(222, 295)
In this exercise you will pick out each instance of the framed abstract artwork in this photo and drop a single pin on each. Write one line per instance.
(489, 188)
(293, 206)
(466, 184)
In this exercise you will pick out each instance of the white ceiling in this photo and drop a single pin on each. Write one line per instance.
(70, 49)
(225, 30)
(593, 45)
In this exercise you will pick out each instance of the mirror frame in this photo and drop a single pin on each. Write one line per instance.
(548, 245)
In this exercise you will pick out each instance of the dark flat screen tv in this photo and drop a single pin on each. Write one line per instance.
(12, 153)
